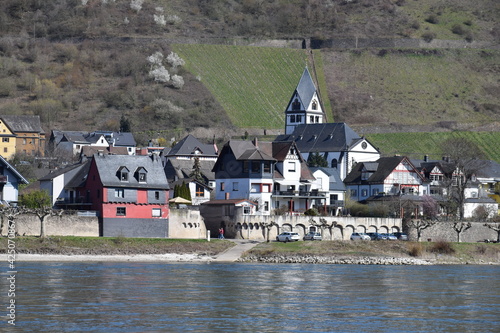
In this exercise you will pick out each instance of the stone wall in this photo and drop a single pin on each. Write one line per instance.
(444, 231)
(66, 225)
(187, 223)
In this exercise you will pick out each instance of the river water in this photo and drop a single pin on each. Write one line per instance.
(243, 297)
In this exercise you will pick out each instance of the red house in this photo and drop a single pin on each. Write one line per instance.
(130, 193)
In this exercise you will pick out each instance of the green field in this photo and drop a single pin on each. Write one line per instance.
(253, 84)
(416, 145)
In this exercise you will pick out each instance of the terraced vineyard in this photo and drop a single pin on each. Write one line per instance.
(253, 84)
(416, 145)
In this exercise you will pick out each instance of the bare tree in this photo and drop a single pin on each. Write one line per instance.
(420, 225)
(496, 227)
(463, 163)
(461, 227)
(268, 227)
(38, 203)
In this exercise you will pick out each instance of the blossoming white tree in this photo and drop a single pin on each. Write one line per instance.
(136, 5)
(177, 81)
(174, 60)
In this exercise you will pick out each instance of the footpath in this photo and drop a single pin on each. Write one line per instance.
(236, 251)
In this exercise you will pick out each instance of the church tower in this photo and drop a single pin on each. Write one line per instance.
(305, 106)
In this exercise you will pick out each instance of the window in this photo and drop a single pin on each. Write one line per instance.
(333, 197)
(298, 118)
(266, 206)
(246, 210)
(142, 177)
(24, 141)
(157, 195)
(7, 139)
(156, 212)
(119, 193)
(315, 105)
(5, 149)
(245, 166)
(123, 174)
(375, 191)
(334, 163)
(200, 191)
(121, 211)
(235, 186)
(364, 192)
(291, 166)
(255, 167)
(311, 119)
(292, 118)
(222, 186)
(296, 105)
(354, 193)
(317, 119)
(267, 166)
(266, 188)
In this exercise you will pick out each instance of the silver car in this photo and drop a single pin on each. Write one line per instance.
(360, 236)
(288, 236)
(312, 236)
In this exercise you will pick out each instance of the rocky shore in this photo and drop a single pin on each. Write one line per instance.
(280, 259)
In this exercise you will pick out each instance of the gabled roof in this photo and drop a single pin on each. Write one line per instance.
(190, 145)
(246, 150)
(109, 165)
(181, 169)
(23, 123)
(91, 150)
(305, 88)
(61, 171)
(123, 139)
(326, 137)
(93, 138)
(379, 170)
(13, 170)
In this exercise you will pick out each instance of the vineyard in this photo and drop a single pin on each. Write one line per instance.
(416, 145)
(253, 84)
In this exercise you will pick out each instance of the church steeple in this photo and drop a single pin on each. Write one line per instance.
(304, 106)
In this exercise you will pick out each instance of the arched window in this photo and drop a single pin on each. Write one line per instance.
(314, 105)
(296, 105)
(334, 163)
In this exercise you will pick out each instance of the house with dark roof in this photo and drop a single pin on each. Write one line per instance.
(10, 179)
(391, 176)
(328, 182)
(305, 124)
(190, 147)
(130, 194)
(272, 174)
(305, 106)
(22, 135)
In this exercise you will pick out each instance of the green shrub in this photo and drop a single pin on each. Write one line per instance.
(311, 212)
(428, 36)
(433, 19)
(457, 29)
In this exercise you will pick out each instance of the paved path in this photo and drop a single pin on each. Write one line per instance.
(236, 251)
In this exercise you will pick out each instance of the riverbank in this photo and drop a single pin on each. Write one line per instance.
(94, 249)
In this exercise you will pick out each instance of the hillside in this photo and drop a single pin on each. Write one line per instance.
(84, 64)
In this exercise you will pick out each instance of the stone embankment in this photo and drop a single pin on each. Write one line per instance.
(279, 259)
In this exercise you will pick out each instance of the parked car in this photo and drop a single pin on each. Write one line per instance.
(390, 237)
(313, 236)
(376, 236)
(401, 236)
(360, 236)
(288, 236)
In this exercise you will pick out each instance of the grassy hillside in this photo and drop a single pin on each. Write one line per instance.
(253, 84)
(416, 145)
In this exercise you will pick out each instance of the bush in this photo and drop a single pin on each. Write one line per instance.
(415, 250)
(457, 29)
(428, 36)
(311, 212)
(442, 247)
(433, 19)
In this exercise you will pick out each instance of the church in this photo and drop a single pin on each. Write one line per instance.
(305, 125)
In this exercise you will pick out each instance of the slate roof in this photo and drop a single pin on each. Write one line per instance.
(305, 89)
(181, 169)
(189, 145)
(55, 173)
(91, 150)
(246, 150)
(108, 166)
(13, 170)
(123, 139)
(380, 170)
(23, 123)
(328, 137)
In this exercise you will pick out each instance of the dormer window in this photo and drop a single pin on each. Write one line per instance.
(123, 174)
(141, 175)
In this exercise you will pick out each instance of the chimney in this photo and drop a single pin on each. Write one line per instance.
(255, 142)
